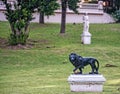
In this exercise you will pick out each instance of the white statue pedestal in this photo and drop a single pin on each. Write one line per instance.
(86, 83)
(86, 37)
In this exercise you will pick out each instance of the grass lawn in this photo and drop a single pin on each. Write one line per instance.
(44, 68)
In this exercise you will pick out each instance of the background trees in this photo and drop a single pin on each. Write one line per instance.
(116, 12)
(117, 4)
(19, 15)
(46, 7)
(111, 5)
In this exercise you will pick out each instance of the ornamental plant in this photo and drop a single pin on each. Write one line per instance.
(19, 15)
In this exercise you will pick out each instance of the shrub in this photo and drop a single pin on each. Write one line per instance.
(17, 39)
(116, 15)
(19, 15)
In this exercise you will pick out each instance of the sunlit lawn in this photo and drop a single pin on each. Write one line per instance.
(44, 68)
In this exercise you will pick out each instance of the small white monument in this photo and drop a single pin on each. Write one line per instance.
(86, 83)
(86, 36)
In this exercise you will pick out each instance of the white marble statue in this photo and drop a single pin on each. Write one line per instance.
(86, 36)
(86, 23)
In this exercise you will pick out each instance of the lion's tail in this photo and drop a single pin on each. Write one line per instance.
(97, 64)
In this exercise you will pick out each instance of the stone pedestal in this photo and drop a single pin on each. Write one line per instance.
(86, 83)
(86, 38)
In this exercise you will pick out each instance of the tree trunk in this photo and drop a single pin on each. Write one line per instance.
(12, 28)
(63, 17)
(41, 18)
(26, 29)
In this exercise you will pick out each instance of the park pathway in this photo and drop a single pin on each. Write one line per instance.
(95, 15)
(71, 18)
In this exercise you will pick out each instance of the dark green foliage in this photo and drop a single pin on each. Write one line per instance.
(116, 15)
(17, 39)
(73, 5)
(19, 16)
(117, 4)
(112, 6)
(46, 7)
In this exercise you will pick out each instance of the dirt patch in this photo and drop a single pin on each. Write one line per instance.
(3, 43)
(30, 44)
(110, 65)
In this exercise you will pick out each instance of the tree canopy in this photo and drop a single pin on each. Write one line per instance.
(46, 7)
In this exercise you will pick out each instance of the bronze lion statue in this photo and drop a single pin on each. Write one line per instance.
(79, 63)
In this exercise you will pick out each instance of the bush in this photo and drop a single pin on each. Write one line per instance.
(116, 15)
(17, 39)
(19, 15)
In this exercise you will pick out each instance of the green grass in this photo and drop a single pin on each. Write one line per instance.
(44, 69)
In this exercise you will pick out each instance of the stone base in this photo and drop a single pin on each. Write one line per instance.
(86, 83)
(86, 37)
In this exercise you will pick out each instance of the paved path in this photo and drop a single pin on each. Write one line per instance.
(71, 18)
(2, 16)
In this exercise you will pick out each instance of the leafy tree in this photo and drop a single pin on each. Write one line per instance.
(72, 5)
(19, 15)
(46, 7)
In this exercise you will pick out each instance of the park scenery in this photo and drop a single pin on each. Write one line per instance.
(34, 54)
